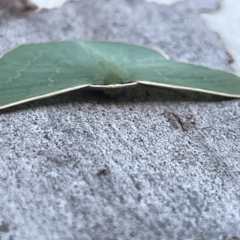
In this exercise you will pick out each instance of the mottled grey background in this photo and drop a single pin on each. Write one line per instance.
(147, 164)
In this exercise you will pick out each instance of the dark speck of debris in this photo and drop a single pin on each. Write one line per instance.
(230, 58)
(4, 227)
(233, 238)
(184, 123)
(103, 172)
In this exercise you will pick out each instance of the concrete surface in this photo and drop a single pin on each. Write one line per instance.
(147, 164)
(166, 2)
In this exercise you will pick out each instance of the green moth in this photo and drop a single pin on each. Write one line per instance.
(35, 71)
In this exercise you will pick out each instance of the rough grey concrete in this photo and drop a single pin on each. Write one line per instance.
(148, 164)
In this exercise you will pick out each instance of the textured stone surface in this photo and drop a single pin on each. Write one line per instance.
(225, 22)
(147, 164)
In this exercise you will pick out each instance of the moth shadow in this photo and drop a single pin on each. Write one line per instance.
(134, 94)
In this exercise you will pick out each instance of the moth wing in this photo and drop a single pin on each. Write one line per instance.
(149, 67)
(187, 76)
(36, 71)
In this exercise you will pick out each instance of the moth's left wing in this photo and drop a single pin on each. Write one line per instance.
(36, 71)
